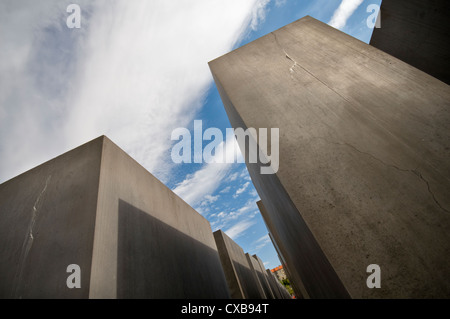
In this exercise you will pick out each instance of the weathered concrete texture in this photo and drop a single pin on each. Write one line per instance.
(47, 222)
(279, 290)
(418, 33)
(263, 278)
(364, 160)
(96, 207)
(273, 286)
(258, 277)
(241, 280)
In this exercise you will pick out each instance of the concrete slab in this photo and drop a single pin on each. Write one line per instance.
(418, 33)
(47, 222)
(96, 207)
(277, 287)
(241, 280)
(263, 278)
(364, 160)
(257, 276)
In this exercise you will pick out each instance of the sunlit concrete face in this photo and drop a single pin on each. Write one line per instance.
(98, 208)
(364, 168)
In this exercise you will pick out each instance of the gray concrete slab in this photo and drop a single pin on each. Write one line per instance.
(364, 160)
(296, 282)
(257, 277)
(280, 291)
(96, 207)
(418, 33)
(47, 222)
(273, 285)
(263, 278)
(240, 278)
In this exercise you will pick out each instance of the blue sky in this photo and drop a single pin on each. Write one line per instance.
(135, 71)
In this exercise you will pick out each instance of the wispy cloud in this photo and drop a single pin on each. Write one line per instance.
(261, 242)
(232, 177)
(280, 3)
(343, 13)
(225, 190)
(206, 180)
(134, 71)
(237, 230)
(241, 190)
(258, 13)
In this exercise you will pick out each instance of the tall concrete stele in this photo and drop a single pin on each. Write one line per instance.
(364, 166)
(96, 207)
(418, 33)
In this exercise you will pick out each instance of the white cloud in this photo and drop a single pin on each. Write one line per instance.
(235, 214)
(258, 13)
(232, 177)
(280, 3)
(134, 71)
(241, 190)
(244, 174)
(211, 199)
(201, 210)
(206, 180)
(238, 229)
(208, 200)
(254, 194)
(225, 190)
(343, 12)
(250, 205)
(261, 242)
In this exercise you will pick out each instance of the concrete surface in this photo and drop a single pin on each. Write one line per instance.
(258, 278)
(418, 33)
(263, 278)
(241, 280)
(284, 239)
(47, 222)
(96, 207)
(364, 160)
(277, 287)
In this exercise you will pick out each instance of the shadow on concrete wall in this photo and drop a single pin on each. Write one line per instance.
(156, 260)
(248, 280)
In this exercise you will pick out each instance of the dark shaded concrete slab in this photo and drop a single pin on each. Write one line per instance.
(279, 290)
(418, 33)
(130, 197)
(263, 278)
(257, 276)
(240, 278)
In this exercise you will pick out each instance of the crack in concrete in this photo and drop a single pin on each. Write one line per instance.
(291, 70)
(29, 238)
(304, 69)
(415, 172)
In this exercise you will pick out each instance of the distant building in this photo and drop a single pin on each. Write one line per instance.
(279, 273)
